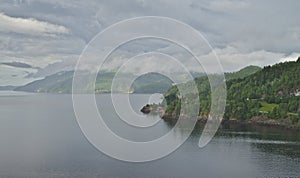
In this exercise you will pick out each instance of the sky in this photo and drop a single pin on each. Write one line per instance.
(41, 37)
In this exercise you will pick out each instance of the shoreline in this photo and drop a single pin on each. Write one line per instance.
(256, 121)
(281, 126)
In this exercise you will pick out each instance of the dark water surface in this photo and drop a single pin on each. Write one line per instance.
(39, 137)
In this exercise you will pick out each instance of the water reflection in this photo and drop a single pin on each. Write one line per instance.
(39, 137)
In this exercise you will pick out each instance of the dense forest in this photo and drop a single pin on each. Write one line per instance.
(272, 92)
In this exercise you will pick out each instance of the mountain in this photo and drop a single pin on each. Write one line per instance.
(62, 83)
(152, 83)
(249, 70)
(57, 83)
(271, 93)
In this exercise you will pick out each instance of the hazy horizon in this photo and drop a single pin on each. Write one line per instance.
(40, 38)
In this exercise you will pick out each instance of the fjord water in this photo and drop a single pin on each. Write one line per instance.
(39, 137)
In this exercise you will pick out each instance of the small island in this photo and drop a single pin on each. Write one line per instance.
(147, 109)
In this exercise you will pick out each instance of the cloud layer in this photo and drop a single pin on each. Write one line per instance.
(29, 26)
(52, 34)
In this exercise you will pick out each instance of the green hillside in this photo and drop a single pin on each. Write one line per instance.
(57, 83)
(272, 92)
(152, 83)
(62, 83)
(249, 70)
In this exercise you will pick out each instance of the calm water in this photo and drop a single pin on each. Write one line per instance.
(39, 137)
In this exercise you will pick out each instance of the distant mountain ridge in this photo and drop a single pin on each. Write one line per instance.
(57, 83)
(62, 83)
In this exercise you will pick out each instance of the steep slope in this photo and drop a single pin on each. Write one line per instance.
(272, 92)
(152, 83)
(276, 87)
(204, 90)
(245, 72)
(57, 83)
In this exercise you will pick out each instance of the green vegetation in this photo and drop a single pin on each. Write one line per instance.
(58, 83)
(62, 83)
(271, 92)
(267, 107)
(152, 83)
(245, 72)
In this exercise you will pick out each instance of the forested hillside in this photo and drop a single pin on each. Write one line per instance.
(273, 92)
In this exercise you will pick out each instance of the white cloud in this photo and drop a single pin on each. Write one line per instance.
(227, 5)
(14, 76)
(233, 59)
(29, 26)
(292, 57)
(242, 31)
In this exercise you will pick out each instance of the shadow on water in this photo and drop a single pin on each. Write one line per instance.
(276, 141)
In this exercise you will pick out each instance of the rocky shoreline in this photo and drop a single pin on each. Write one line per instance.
(255, 121)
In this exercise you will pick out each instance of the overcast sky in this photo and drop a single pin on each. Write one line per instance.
(50, 35)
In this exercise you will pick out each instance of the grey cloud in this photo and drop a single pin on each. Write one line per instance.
(14, 76)
(18, 64)
(79, 16)
(242, 32)
(64, 65)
